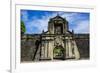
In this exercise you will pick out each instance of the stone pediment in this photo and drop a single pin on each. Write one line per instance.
(58, 18)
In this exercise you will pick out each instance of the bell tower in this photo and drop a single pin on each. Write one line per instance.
(58, 37)
(58, 25)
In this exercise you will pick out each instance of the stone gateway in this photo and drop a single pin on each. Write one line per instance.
(58, 42)
(58, 38)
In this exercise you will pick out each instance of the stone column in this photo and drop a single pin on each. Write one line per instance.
(45, 50)
(51, 28)
(42, 50)
(66, 47)
(65, 28)
(76, 51)
(70, 48)
(51, 49)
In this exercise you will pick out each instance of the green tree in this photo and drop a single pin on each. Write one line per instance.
(23, 29)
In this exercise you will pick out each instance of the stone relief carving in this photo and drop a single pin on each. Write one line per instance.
(58, 40)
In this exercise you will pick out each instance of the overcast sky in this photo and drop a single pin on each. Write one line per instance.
(36, 21)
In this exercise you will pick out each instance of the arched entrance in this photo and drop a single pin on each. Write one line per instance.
(59, 53)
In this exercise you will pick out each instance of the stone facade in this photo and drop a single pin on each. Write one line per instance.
(56, 43)
(58, 35)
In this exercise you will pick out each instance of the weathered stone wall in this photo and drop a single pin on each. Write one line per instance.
(27, 50)
(83, 46)
(28, 47)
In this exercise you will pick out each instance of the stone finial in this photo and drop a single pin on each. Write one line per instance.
(72, 31)
(43, 31)
(57, 14)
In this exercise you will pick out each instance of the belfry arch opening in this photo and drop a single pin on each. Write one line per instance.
(58, 28)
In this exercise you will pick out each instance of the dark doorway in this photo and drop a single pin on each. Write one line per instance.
(58, 29)
(59, 53)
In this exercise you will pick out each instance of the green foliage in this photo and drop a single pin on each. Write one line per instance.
(58, 51)
(23, 29)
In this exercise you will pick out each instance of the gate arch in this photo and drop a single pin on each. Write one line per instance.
(59, 53)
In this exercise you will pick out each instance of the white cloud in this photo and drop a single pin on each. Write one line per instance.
(24, 15)
(40, 24)
(82, 27)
